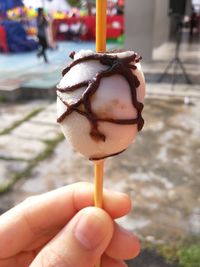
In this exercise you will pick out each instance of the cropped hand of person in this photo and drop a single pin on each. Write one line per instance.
(62, 229)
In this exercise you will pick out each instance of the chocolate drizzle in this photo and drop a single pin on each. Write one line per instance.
(116, 65)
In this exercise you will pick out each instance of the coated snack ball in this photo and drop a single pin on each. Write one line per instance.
(100, 102)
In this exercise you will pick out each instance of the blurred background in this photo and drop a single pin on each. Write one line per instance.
(161, 170)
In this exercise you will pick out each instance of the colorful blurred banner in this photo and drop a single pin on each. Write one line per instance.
(53, 5)
(9, 4)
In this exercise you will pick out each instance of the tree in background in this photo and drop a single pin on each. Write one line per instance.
(76, 3)
(89, 4)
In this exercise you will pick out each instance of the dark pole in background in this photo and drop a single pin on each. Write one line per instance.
(177, 12)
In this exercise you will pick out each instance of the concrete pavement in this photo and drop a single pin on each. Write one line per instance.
(24, 76)
(160, 171)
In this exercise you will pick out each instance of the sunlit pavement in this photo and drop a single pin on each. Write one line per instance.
(160, 171)
(26, 76)
(27, 71)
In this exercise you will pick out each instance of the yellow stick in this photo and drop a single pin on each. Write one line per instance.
(98, 196)
(100, 47)
(100, 25)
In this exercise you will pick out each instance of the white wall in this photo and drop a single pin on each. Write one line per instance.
(161, 22)
(146, 25)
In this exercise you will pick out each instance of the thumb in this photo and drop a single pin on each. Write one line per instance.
(80, 243)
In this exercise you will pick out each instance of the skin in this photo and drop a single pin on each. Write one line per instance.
(62, 229)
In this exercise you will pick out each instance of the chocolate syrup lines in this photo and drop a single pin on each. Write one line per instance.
(116, 65)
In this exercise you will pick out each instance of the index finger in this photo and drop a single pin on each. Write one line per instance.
(48, 212)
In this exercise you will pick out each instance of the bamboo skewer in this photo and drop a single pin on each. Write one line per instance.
(100, 47)
(98, 196)
(100, 25)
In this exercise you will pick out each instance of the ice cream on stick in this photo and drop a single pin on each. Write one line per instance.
(100, 102)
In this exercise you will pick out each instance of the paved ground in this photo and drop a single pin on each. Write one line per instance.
(32, 72)
(160, 171)
(33, 78)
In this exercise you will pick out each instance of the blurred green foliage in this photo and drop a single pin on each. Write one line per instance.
(189, 256)
(185, 253)
(74, 2)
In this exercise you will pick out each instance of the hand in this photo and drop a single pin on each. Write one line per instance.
(62, 229)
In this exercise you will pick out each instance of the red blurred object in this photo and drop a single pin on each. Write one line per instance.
(121, 2)
(3, 41)
(115, 27)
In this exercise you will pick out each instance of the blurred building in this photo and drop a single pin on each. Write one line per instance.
(150, 23)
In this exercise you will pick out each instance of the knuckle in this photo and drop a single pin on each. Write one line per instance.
(51, 258)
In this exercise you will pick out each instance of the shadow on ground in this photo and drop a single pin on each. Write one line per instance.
(149, 258)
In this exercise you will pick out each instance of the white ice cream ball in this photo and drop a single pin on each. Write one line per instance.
(112, 100)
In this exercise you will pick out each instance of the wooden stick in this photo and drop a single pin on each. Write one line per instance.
(98, 195)
(100, 47)
(100, 25)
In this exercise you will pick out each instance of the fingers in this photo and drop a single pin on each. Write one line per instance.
(80, 243)
(124, 245)
(117, 204)
(109, 262)
(23, 259)
(48, 213)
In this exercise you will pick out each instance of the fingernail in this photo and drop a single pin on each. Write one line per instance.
(90, 230)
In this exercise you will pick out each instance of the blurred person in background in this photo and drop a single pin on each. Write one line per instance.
(50, 34)
(193, 21)
(42, 25)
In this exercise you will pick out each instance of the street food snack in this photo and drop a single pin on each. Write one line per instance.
(100, 102)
